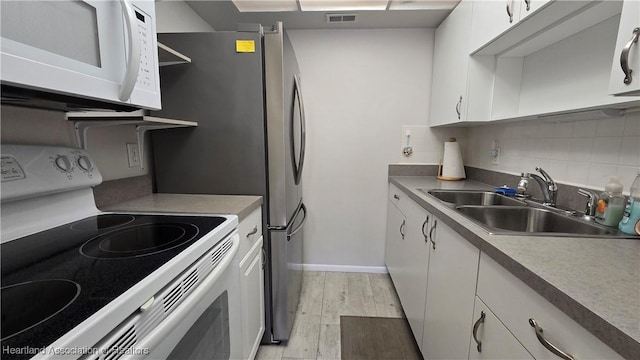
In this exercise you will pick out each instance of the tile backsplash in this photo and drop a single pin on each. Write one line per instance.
(578, 153)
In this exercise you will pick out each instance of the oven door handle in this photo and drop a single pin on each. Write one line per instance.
(163, 329)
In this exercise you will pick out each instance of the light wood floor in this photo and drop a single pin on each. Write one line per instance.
(325, 297)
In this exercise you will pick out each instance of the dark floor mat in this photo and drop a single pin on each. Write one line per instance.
(376, 338)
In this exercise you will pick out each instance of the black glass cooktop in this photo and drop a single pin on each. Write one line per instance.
(55, 279)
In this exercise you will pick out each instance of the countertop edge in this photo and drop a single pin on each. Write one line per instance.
(242, 206)
(608, 333)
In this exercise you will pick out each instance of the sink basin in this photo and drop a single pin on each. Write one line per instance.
(530, 220)
(470, 197)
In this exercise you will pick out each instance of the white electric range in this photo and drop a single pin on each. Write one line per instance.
(80, 283)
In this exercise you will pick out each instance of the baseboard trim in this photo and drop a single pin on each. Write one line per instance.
(345, 268)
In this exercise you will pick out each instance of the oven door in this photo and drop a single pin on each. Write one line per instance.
(207, 325)
(99, 50)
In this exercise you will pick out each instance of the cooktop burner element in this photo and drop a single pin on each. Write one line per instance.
(139, 240)
(101, 222)
(31, 303)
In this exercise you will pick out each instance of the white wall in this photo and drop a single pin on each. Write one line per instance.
(580, 153)
(176, 16)
(106, 145)
(360, 88)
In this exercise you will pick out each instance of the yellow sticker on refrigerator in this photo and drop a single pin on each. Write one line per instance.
(245, 46)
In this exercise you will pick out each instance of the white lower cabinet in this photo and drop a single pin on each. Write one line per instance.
(490, 339)
(451, 287)
(252, 295)
(407, 256)
(519, 307)
(445, 285)
(251, 282)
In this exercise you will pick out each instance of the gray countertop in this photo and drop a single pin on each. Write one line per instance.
(595, 281)
(239, 205)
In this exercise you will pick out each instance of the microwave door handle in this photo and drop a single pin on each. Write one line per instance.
(133, 62)
(303, 132)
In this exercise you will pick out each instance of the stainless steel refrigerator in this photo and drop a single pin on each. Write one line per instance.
(243, 89)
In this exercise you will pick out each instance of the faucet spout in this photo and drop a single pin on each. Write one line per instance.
(546, 183)
(551, 186)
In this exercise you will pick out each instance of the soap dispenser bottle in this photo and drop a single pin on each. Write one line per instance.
(610, 205)
(630, 223)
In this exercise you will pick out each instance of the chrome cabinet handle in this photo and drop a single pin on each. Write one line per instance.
(424, 224)
(475, 331)
(253, 231)
(624, 56)
(458, 107)
(554, 349)
(510, 10)
(528, 3)
(133, 63)
(402, 228)
(395, 196)
(433, 243)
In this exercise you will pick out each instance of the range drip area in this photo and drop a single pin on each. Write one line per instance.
(55, 279)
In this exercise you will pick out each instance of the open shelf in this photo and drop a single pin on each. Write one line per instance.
(168, 56)
(83, 121)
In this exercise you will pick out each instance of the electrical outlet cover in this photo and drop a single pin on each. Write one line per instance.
(495, 160)
(133, 155)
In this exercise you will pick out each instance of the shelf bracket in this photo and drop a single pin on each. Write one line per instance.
(82, 128)
(141, 131)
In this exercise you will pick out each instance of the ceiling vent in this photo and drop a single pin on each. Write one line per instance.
(340, 18)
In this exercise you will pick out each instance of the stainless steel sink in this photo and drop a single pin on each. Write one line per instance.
(471, 197)
(522, 219)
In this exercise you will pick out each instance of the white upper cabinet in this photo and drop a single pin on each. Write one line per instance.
(448, 95)
(492, 18)
(528, 7)
(540, 58)
(627, 52)
(460, 83)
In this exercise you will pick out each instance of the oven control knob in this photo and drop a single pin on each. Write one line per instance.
(62, 163)
(84, 163)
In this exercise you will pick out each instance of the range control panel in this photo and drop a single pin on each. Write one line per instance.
(30, 171)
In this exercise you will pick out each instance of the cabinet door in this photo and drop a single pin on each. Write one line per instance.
(450, 62)
(396, 224)
(451, 287)
(252, 292)
(415, 255)
(492, 18)
(516, 304)
(528, 7)
(629, 21)
(490, 339)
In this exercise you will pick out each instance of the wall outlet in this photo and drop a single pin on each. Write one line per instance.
(133, 155)
(494, 154)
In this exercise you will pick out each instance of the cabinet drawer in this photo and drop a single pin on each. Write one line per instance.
(402, 201)
(250, 230)
(514, 303)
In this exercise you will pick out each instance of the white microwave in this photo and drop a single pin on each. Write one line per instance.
(96, 50)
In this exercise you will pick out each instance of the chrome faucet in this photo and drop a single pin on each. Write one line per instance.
(548, 186)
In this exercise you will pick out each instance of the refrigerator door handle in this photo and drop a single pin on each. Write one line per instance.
(291, 221)
(304, 219)
(297, 168)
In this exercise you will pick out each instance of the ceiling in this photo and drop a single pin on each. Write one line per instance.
(224, 15)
